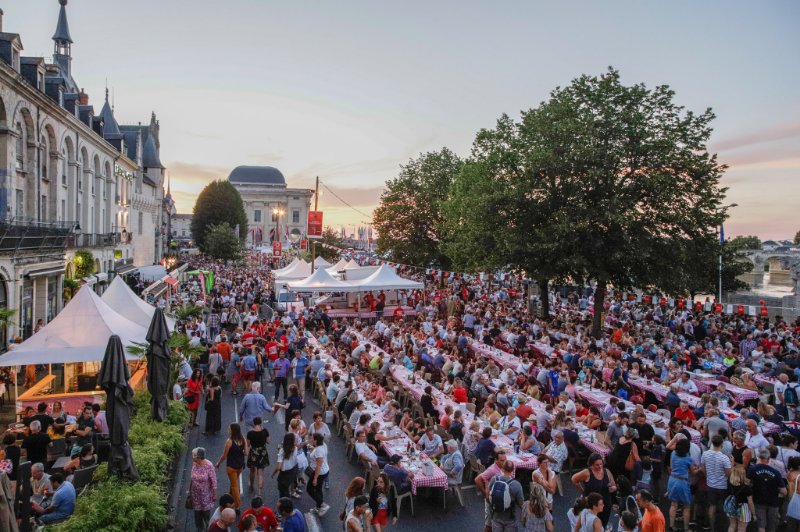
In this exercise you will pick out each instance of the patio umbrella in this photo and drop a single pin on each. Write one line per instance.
(113, 378)
(158, 358)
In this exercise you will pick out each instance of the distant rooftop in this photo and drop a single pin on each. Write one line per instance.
(257, 175)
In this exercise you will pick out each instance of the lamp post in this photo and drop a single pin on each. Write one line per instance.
(277, 212)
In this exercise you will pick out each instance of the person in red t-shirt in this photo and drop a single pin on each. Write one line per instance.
(459, 392)
(224, 349)
(685, 414)
(271, 349)
(399, 313)
(264, 516)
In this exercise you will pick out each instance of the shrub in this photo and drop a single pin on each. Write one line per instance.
(115, 506)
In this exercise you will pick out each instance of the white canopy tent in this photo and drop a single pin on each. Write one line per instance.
(320, 281)
(352, 265)
(286, 268)
(319, 262)
(124, 301)
(301, 270)
(152, 273)
(79, 333)
(385, 278)
(339, 266)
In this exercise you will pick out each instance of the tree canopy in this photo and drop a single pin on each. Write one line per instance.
(747, 242)
(222, 243)
(218, 203)
(409, 219)
(602, 182)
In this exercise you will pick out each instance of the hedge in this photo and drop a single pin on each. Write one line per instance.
(114, 505)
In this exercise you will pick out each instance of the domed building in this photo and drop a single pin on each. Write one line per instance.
(270, 204)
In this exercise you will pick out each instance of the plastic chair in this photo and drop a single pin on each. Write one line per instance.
(400, 498)
(82, 477)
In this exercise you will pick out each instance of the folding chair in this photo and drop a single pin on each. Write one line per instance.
(400, 498)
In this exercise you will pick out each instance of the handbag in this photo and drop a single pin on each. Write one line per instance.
(793, 509)
(189, 505)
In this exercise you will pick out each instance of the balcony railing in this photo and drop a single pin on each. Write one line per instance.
(93, 240)
(26, 236)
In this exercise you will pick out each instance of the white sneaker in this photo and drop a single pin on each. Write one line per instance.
(323, 509)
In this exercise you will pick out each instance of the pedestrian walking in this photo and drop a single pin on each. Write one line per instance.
(254, 405)
(286, 467)
(258, 457)
(318, 461)
(202, 489)
(213, 407)
(236, 448)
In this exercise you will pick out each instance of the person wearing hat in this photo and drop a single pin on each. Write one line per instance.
(399, 476)
(453, 463)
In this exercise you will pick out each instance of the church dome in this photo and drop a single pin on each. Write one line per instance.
(257, 175)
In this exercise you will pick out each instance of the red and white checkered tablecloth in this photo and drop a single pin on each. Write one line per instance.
(660, 391)
(740, 394)
(414, 464)
(506, 360)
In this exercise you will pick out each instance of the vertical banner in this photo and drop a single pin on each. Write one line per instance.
(314, 229)
(304, 244)
(276, 249)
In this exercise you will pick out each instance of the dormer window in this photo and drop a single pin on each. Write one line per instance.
(15, 59)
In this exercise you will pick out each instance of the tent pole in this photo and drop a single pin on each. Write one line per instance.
(16, 390)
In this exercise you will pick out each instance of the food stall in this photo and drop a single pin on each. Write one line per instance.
(74, 342)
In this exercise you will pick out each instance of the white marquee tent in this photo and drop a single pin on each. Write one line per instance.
(79, 333)
(124, 301)
(319, 262)
(320, 281)
(339, 266)
(286, 268)
(352, 265)
(385, 278)
(301, 270)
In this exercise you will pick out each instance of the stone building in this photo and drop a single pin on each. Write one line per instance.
(271, 205)
(70, 179)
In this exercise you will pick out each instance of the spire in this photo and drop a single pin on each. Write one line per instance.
(110, 126)
(61, 36)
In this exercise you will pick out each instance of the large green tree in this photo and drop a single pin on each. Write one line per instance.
(331, 238)
(409, 219)
(508, 206)
(797, 238)
(603, 182)
(218, 203)
(701, 270)
(222, 243)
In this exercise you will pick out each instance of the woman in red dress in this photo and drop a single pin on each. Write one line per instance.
(194, 389)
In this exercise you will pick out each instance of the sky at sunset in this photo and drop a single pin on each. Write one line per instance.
(350, 90)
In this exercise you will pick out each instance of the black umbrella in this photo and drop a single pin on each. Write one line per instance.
(113, 378)
(158, 358)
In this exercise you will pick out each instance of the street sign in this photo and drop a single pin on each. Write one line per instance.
(314, 224)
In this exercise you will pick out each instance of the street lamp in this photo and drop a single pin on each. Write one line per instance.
(277, 212)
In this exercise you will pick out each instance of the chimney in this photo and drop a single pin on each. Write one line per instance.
(83, 98)
(1, 20)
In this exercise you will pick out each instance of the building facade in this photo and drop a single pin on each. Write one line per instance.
(182, 228)
(70, 179)
(270, 205)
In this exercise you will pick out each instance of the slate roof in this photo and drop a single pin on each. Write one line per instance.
(257, 175)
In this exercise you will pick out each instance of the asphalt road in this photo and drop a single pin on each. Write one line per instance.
(428, 505)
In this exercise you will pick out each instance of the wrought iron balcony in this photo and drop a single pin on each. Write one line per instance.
(93, 240)
(27, 236)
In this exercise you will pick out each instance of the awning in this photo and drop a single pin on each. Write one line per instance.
(173, 282)
(88, 280)
(128, 268)
(45, 272)
(102, 277)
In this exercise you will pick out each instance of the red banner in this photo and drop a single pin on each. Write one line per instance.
(276, 249)
(314, 224)
(304, 244)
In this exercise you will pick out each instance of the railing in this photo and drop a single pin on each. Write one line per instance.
(27, 236)
(93, 240)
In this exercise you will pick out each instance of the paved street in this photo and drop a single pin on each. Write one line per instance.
(428, 507)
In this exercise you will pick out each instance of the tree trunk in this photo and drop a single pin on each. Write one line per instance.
(599, 300)
(544, 297)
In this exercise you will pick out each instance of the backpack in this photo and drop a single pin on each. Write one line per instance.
(790, 395)
(730, 506)
(501, 495)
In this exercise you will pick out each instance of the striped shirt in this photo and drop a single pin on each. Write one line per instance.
(716, 463)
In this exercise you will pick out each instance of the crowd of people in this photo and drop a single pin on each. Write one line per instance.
(670, 405)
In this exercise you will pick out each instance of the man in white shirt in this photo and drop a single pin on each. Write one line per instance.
(567, 403)
(686, 384)
(780, 388)
(557, 451)
(431, 443)
(717, 467)
(754, 439)
(366, 453)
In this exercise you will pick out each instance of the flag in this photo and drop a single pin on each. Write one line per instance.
(721, 234)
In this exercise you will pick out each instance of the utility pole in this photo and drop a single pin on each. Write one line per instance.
(314, 241)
